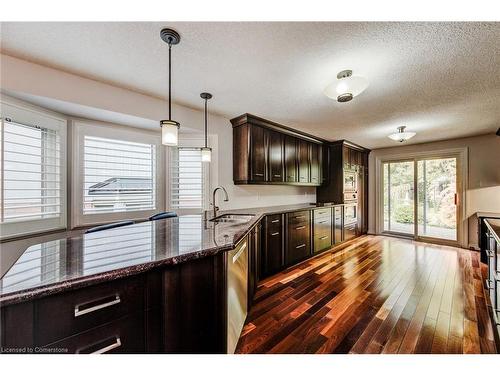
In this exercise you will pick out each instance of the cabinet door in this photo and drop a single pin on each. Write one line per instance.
(304, 161)
(272, 259)
(337, 225)
(276, 157)
(346, 156)
(290, 159)
(299, 240)
(315, 151)
(325, 164)
(258, 154)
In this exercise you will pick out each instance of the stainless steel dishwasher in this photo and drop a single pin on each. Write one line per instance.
(237, 286)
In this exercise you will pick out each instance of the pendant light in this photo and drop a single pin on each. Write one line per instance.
(170, 128)
(206, 152)
(346, 86)
(401, 135)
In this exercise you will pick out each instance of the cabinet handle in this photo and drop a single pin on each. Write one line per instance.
(108, 348)
(259, 174)
(277, 175)
(488, 284)
(321, 222)
(490, 254)
(237, 255)
(79, 311)
(301, 227)
(323, 238)
(275, 233)
(299, 217)
(275, 221)
(298, 247)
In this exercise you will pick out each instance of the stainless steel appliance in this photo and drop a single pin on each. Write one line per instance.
(350, 181)
(237, 290)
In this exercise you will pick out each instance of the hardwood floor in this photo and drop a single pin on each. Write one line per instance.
(375, 295)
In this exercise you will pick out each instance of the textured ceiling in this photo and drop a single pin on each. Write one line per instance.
(441, 80)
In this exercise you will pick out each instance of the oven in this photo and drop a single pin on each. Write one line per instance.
(350, 181)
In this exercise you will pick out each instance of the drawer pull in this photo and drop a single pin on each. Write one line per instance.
(323, 238)
(488, 284)
(301, 227)
(277, 175)
(259, 174)
(79, 311)
(275, 221)
(490, 254)
(275, 233)
(108, 348)
(321, 222)
(299, 217)
(298, 247)
(237, 255)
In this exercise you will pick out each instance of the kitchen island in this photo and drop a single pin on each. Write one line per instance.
(155, 286)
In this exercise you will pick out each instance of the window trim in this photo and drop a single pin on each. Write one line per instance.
(81, 128)
(30, 114)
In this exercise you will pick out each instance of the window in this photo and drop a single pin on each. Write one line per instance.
(189, 177)
(116, 173)
(118, 176)
(32, 179)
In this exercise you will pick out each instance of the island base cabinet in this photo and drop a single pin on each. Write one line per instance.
(125, 335)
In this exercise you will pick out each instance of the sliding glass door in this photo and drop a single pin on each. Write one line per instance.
(399, 200)
(420, 198)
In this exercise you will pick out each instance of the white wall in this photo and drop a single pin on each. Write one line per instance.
(483, 193)
(95, 100)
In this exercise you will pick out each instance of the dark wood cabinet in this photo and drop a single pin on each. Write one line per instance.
(254, 260)
(298, 245)
(276, 156)
(303, 161)
(338, 226)
(322, 229)
(265, 152)
(315, 155)
(291, 174)
(272, 251)
(258, 157)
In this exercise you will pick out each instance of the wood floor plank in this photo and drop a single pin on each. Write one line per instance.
(375, 294)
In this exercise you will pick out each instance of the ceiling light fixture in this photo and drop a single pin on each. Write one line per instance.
(401, 135)
(206, 152)
(346, 87)
(170, 128)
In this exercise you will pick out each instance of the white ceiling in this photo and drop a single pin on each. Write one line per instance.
(441, 80)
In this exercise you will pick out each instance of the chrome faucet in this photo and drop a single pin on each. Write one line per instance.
(213, 198)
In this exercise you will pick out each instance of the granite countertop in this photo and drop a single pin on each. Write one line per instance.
(494, 225)
(74, 259)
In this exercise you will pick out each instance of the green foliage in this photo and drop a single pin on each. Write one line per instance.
(403, 214)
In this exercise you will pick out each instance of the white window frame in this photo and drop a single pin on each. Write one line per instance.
(209, 171)
(82, 128)
(29, 114)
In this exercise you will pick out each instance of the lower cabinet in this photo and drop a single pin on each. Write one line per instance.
(298, 245)
(272, 250)
(322, 229)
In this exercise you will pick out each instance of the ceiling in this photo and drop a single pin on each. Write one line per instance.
(441, 80)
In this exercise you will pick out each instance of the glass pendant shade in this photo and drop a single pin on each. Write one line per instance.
(169, 132)
(206, 154)
(346, 87)
(401, 135)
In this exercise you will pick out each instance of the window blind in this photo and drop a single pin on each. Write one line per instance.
(119, 176)
(31, 172)
(187, 179)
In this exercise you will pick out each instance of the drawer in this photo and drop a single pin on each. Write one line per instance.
(322, 242)
(321, 214)
(67, 314)
(300, 217)
(124, 335)
(274, 223)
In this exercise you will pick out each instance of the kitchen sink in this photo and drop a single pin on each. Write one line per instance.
(233, 218)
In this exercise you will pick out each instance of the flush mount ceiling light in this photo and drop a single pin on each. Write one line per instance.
(170, 128)
(346, 86)
(206, 152)
(401, 135)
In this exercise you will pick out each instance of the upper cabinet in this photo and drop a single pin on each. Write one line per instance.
(268, 153)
